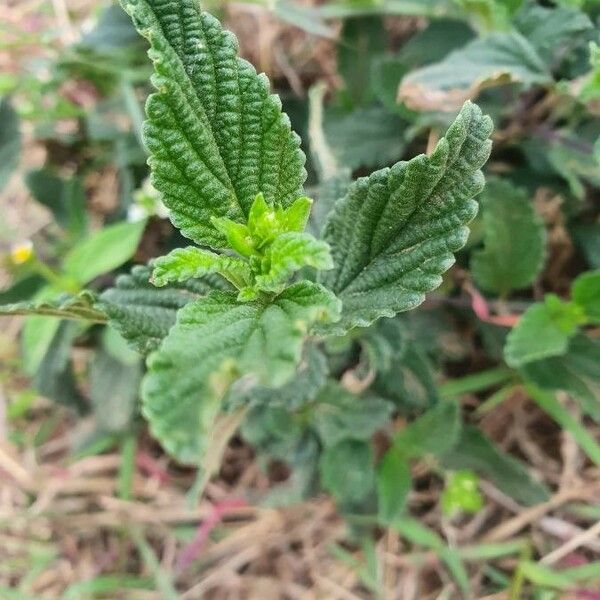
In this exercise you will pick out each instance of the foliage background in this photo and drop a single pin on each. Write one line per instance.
(90, 505)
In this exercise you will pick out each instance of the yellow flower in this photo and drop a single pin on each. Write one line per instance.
(22, 252)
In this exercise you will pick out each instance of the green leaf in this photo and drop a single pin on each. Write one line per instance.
(217, 333)
(475, 451)
(461, 493)
(394, 233)
(103, 251)
(368, 136)
(64, 198)
(142, 313)
(115, 377)
(55, 378)
(514, 240)
(289, 253)
(577, 372)
(216, 136)
(585, 291)
(10, 141)
(393, 485)
(495, 59)
(552, 31)
(361, 41)
(544, 330)
(182, 264)
(80, 307)
(347, 471)
(435, 432)
(339, 415)
(299, 390)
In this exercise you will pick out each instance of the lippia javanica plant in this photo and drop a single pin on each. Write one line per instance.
(259, 301)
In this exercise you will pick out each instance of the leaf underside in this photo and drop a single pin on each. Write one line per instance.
(394, 233)
(216, 335)
(216, 135)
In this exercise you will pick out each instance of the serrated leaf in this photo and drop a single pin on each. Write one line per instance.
(216, 136)
(475, 451)
(497, 58)
(514, 240)
(394, 233)
(10, 141)
(577, 372)
(259, 338)
(142, 313)
(347, 471)
(585, 291)
(289, 253)
(182, 264)
(544, 330)
(79, 307)
(339, 415)
(103, 251)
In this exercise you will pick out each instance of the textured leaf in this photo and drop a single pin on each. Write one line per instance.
(394, 233)
(586, 293)
(339, 415)
(185, 263)
(347, 471)
(217, 333)
(514, 240)
(103, 251)
(216, 136)
(577, 372)
(497, 58)
(289, 253)
(475, 451)
(10, 141)
(79, 307)
(544, 330)
(142, 313)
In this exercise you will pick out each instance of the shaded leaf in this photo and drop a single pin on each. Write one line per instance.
(10, 141)
(82, 307)
(347, 471)
(475, 451)
(514, 240)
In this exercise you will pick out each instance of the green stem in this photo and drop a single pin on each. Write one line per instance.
(54, 278)
(476, 382)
